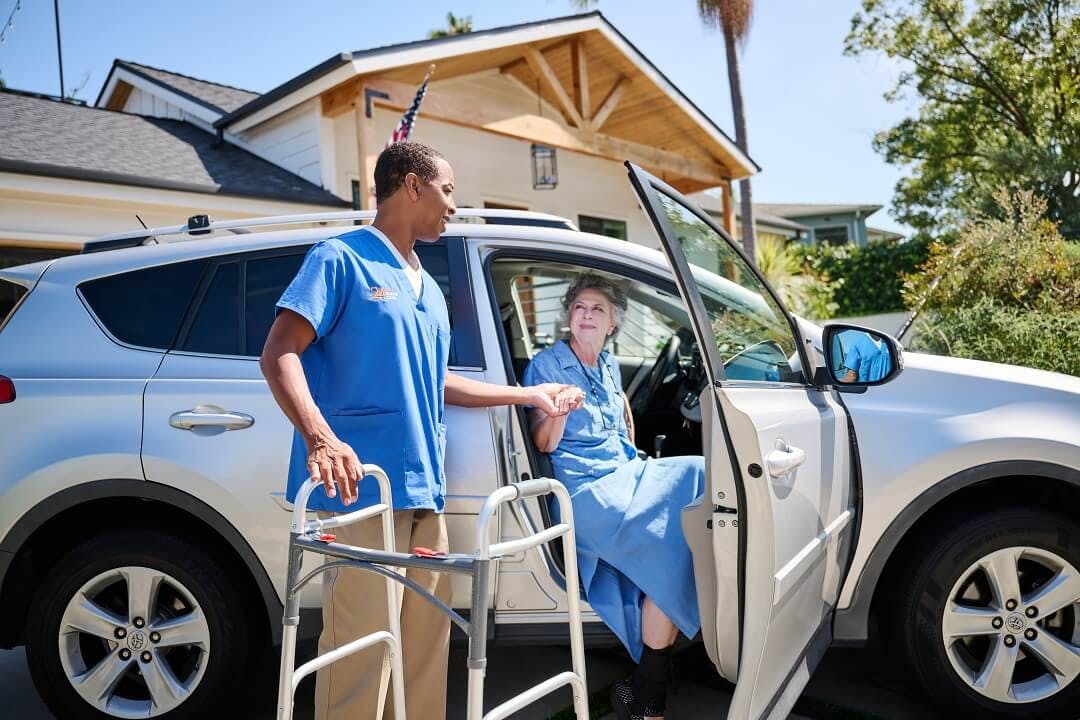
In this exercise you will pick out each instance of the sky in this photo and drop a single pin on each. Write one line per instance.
(811, 111)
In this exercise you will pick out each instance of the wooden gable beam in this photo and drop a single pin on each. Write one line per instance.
(540, 67)
(606, 107)
(462, 111)
(119, 97)
(580, 72)
(341, 99)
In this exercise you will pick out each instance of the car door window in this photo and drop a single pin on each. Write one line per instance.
(752, 334)
(215, 329)
(265, 281)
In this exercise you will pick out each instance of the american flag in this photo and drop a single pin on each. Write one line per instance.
(405, 125)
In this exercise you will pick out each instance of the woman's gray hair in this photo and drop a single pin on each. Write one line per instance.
(613, 290)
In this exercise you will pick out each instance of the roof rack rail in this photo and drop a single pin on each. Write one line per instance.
(200, 225)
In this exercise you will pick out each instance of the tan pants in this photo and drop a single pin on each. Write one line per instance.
(354, 604)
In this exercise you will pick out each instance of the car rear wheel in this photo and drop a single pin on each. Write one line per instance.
(135, 625)
(990, 615)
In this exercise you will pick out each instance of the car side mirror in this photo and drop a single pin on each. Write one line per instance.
(857, 357)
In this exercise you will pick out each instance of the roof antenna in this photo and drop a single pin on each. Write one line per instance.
(141, 221)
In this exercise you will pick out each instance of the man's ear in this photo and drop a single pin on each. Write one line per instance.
(412, 186)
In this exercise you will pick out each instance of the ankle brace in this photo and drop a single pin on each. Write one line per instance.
(650, 679)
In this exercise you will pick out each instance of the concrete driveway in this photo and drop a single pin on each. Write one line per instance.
(849, 685)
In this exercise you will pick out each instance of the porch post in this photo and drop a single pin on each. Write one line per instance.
(365, 143)
(729, 209)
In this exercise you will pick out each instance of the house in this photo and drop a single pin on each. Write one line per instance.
(536, 116)
(832, 224)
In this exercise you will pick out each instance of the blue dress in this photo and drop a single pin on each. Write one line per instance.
(626, 510)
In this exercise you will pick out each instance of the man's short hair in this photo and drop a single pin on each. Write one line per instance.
(400, 159)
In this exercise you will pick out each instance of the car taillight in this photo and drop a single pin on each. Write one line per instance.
(7, 390)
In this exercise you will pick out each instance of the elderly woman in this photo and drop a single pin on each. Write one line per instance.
(635, 564)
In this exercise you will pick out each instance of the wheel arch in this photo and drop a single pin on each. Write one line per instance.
(851, 625)
(60, 518)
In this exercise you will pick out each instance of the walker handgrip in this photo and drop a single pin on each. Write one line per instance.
(309, 485)
(532, 488)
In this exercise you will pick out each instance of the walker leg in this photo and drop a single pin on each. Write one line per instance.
(288, 636)
(478, 639)
(393, 603)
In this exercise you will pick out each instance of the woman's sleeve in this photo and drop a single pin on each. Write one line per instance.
(538, 371)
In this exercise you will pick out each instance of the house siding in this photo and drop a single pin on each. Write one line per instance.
(291, 141)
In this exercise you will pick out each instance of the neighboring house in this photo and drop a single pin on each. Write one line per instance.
(500, 104)
(832, 224)
(810, 223)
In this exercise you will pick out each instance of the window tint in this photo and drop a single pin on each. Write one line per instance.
(266, 280)
(435, 259)
(144, 307)
(216, 327)
(10, 295)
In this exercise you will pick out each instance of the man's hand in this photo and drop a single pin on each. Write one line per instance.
(332, 462)
(545, 396)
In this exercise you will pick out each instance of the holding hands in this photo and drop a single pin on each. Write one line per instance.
(556, 399)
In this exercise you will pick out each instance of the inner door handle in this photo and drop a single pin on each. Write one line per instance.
(210, 416)
(784, 458)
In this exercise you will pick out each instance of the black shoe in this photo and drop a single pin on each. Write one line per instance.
(626, 706)
(623, 702)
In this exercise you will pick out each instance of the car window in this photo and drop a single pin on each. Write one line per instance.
(749, 327)
(144, 307)
(435, 259)
(265, 281)
(215, 330)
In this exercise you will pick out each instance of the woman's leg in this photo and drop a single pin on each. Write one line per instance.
(657, 631)
(644, 694)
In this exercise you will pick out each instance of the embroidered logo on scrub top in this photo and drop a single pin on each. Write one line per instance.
(383, 294)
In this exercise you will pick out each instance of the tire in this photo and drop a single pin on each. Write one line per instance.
(970, 563)
(174, 664)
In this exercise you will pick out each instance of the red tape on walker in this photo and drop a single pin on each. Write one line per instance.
(326, 537)
(427, 552)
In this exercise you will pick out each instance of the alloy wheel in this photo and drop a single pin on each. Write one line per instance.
(1011, 625)
(134, 642)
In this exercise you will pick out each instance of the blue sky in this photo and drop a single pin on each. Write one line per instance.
(811, 111)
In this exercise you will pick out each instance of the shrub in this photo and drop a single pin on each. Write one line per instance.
(1007, 290)
(869, 277)
(801, 291)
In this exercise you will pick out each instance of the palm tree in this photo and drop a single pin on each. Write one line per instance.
(733, 19)
(454, 26)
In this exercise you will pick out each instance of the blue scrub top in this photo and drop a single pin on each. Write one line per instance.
(596, 440)
(376, 369)
(870, 361)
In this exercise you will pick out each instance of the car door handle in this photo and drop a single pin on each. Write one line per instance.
(784, 458)
(210, 416)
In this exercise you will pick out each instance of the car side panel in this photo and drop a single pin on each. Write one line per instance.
(943, 416)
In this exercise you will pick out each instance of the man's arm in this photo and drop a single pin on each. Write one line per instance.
(329, 459)
(472, 393)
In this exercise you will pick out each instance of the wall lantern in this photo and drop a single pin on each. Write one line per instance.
(545, 170)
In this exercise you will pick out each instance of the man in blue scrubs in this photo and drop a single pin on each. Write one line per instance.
(357, 360)
(867, 360)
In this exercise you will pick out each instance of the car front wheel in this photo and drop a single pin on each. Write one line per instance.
(990, 615)
(135, 625)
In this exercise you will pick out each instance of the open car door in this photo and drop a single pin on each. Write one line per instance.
(771, 537)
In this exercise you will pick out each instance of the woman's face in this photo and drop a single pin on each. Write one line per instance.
(591, 318)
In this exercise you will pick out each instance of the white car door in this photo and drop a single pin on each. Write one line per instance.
(782, 499)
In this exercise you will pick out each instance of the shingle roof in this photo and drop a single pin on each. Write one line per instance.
(42, 136)
(795, 210)
(221, 98)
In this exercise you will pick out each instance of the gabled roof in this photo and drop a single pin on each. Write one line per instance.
(43, 136)
(796, 210)
(222, 99)
(651, 111)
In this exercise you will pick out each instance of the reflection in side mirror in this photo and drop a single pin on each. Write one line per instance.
(860, 357)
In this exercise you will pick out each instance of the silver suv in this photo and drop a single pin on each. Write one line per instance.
(143, 531)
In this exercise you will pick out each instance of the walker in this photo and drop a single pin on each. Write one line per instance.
(311, 536)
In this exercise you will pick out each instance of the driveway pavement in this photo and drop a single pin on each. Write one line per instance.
(849, 685)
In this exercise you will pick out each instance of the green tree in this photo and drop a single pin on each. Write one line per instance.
(454, 26)
(996, 89)
(733, 19)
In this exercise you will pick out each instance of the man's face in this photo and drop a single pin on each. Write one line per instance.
(435, 203)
